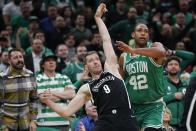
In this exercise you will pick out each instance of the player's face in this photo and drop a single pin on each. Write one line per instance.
(141, 35)
(93, 64)
(173, 67)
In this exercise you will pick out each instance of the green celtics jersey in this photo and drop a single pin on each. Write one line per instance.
(143, 79)
(46, 116)
(74, 71)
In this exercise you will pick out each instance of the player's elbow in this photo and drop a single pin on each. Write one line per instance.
(160, 48)
(70, 93)
(162, 53)
(65, 114)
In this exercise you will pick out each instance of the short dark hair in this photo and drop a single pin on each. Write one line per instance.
(57, 48)
(36, 32)
(170, 58)
(140, 23)
(89, 53)
(14, 50)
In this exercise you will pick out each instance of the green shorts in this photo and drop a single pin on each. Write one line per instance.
(149, 115)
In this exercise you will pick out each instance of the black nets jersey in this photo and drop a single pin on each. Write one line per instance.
(112, 101)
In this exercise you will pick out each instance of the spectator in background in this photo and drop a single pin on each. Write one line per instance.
(166, 36)
(87, 123)
(183, 6)
(89, 18)
(37, 9)
(96, 45)
(24, 36)
(175, 90)
(21, 20)
(166, 120)
(179, 25)
(4, 44)
(47, 24)
(32, 60)
(74, 69)
(56, 36)
(4, 61)
(166, 6)
(10, 10)
(18, 95)
(5, 33)
(67, 13)
(62, 90)
(80, 31)
(58, 3)
(70, 42)
(186, 57)
(39, 35)
(143, 16)
(170, 35)
(180, 46)
(11, 35)
(122, 30)
(62, 55)
(117, 12)
(191, 35)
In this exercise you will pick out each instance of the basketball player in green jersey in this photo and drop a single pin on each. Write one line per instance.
(141, 68)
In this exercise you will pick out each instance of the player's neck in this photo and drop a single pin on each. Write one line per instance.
(140, 46)
(95, 76)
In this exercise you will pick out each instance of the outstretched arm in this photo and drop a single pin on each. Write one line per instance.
(111, 59)
(76, 103)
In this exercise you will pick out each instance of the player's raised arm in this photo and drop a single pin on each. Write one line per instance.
(111, 59)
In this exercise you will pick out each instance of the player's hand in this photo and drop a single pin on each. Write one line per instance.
(179, 95)
(170, 52)
(85, 74)
(100, 10)
(124, 47)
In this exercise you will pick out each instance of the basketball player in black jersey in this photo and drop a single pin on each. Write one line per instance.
(106, 90)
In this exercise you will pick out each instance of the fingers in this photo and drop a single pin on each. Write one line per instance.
(100, 10)
(119, 42)
(124, 47)
(121, 45)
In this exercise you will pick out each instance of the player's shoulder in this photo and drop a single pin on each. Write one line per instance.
(84, 88)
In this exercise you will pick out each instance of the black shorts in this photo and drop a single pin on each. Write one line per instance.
(113, 123)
